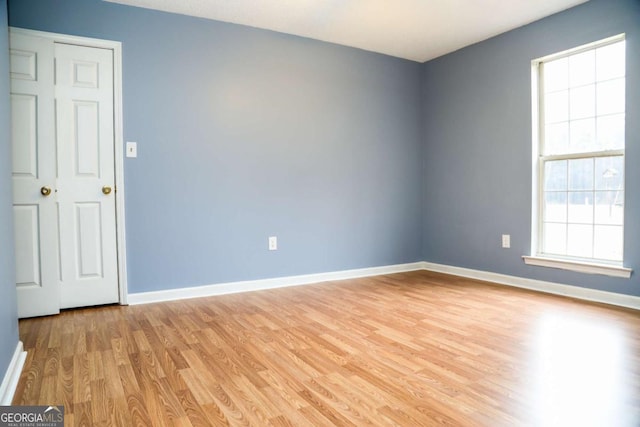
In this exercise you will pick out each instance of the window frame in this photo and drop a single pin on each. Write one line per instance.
(537, 257)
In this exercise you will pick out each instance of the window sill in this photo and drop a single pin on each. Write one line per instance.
(580, 267)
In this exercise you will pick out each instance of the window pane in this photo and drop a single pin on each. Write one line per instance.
(581, 207)
(582, 135)
(610, 97)
(581, 174)
(555, 207)
(555, 175)
(610, 61)
(580, 240)
(556, 107)
(582, 102)
(555, 238)
(608, 243)
(611, 132)
(556, 74)
(582, 68)
(556, 138)
(582, 106)
(609, 173)
(609, 207)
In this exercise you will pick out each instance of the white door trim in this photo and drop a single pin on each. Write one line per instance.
(116, 47)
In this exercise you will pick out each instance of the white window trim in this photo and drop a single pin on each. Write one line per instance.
(579, 266)
(543, 260)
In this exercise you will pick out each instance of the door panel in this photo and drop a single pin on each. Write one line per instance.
(32, 130)
(26, 220)
(84, 124)
(24, 135)
(89, 229)
(86, 139)
(23, 62)
(85, 74)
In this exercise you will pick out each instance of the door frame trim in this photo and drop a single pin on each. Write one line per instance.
(116, 47)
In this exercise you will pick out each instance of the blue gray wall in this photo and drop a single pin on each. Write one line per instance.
(245, 133)
(8, 307)
(477, 144)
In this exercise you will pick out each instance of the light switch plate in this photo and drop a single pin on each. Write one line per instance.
(132, 149)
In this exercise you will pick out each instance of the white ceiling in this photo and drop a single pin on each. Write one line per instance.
(418, 30)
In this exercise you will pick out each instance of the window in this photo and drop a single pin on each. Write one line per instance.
(579, 149)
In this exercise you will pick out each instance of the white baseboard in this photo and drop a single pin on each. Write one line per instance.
(280, 282)
(12, 376)
(594, 295)
(255, 285)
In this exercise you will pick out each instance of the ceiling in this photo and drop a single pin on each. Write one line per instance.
(418, 30)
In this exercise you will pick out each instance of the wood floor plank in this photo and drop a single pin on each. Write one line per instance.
(99, 401)
(64, 385)
(417, 348)
(193, 410)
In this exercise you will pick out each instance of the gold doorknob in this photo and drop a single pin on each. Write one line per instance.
(45, 191)
(106, 190)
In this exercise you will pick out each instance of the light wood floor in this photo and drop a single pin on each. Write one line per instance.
(413, 349)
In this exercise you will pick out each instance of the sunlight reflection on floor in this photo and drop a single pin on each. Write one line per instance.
(579, 369)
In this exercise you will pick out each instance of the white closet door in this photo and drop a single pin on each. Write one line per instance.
(63, 175)
(86, 175)
(34, 176)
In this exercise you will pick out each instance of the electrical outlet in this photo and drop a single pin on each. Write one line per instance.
(273, 243)
(506, 240)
